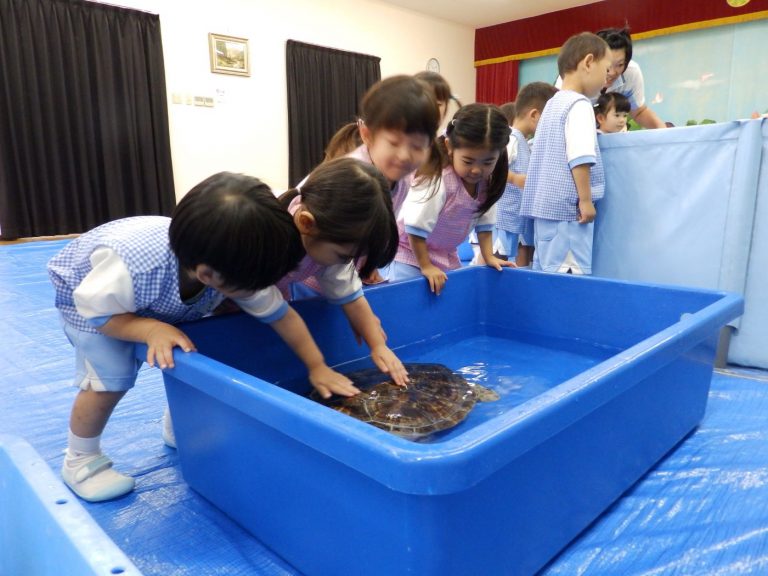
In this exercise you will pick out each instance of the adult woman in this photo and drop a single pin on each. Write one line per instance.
(625, 77)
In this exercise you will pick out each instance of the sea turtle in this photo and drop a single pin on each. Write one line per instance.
(436, 398)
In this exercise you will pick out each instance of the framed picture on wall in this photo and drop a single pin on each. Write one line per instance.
(229, 55)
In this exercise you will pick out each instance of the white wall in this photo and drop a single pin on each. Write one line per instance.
(247, 129)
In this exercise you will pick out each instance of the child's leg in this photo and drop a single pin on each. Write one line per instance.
(505, 246)
(525, 251)
(551, 244)
(105, 369)
(86, 470)
(524, 256)
(91, 411)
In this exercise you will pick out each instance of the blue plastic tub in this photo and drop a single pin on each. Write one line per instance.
(44, 530)
(599, 380)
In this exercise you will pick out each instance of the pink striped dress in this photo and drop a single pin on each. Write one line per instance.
(443, 215)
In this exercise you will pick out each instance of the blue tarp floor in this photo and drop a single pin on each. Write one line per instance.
(703, 510)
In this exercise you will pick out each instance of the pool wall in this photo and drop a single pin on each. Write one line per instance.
(336, 496)
(44, 530)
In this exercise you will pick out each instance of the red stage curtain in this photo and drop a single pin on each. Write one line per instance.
(544, 34)
(497, 83)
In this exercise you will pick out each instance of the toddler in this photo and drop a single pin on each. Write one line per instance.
(132, 279)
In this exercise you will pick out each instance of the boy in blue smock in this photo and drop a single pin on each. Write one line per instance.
(131, 280)
(565, 174)
(514, 233)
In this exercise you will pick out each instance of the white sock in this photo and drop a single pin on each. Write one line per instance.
(169, 437)
(78, 446)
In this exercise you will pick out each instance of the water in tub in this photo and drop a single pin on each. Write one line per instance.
(517, 367)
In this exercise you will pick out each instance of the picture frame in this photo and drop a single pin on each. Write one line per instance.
(229, 55)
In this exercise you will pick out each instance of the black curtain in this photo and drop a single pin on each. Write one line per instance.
(325, 87)
(83, 117)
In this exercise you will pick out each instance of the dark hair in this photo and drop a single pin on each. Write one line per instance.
(534, 96)
(350, 202)
(578, 47)
(614, 100)
(439, 85)
(234, 224)
(397, 103)
(344, 141)
(473, 126)
(618, 39)
(509, 110)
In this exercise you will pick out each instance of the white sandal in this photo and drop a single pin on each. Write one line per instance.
(95, 480)
(169, 437)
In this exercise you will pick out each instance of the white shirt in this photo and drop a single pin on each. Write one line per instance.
(107, 290)
(580, 134)
(512, 150)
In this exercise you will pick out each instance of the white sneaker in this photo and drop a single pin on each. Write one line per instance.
(92, 478)
(168, 435)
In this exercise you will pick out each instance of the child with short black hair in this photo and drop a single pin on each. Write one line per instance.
(514, 233)
(129, 281)
(565, 174)
(611, 112)
(509, 109)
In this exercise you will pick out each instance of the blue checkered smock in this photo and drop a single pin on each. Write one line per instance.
(508, 215)
(142, 244)
(550, 191)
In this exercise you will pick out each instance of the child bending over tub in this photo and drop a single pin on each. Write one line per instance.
(130, 280)
(454, 193)
(344, 215)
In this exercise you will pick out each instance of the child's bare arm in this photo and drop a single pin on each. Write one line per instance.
(587, 210)
(292, 329)
(516, 179)
(365, 323)
(432, 273)
(160, 337)
(647, 118)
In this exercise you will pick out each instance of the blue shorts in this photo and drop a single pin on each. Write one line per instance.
(526, 237)
(384, 273)
(102, 363)
(562, 246)
(506, 243)
(401, 271)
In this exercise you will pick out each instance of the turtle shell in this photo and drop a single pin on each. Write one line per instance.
(435, 399)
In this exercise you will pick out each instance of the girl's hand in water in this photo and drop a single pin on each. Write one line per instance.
(327, 381)
(390, 364)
